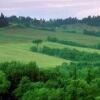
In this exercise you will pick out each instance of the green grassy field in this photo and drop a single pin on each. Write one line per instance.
(58, 45)
(21, 52)
(28, 34)
(15, 44)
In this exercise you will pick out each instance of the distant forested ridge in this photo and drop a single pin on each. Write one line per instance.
(50, 24)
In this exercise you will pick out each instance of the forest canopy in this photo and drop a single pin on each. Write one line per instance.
(34, 22)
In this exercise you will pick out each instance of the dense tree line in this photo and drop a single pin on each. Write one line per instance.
(50, 25)
(66, 42)
(94, 21)
(71, 54)
(92, 33)
(76, 81)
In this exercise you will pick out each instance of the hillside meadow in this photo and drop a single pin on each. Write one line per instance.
(15, 44)
(28, 34)
(21, 52)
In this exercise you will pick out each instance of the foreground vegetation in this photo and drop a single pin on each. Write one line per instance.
(20, 81)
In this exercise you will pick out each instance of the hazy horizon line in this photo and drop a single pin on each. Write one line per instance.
(49, 18)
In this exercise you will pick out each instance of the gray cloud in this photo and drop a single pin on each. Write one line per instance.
(50, 8)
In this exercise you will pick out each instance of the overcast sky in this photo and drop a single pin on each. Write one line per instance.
(50, 8)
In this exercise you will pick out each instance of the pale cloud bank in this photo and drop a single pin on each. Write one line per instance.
(50, 8)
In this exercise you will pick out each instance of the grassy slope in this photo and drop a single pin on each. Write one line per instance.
(21, 52)
(15, 45)
(57, 45)
(80, 27)
(27, 35)
(12, 47)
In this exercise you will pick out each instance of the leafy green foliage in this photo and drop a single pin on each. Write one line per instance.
(24, 85)
(92, 33)
(65, 82)
(43, 94)
(3, 21)
(37, 42)
(79, 90)
(4, 83)
(29, 22)
(69, 54)
(53, 39)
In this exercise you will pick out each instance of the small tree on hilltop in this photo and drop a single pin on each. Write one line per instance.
(37, 42)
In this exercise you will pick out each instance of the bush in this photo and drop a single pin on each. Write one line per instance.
(71, 54)
(66, 82)
(66, 42)
(79, 90)
(4, 83)
(43, 94)
(32, 71)
(24, 85)
(92, 33)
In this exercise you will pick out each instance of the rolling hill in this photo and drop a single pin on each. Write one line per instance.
(15, 44)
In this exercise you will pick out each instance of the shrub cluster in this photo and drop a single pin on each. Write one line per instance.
(20, 81)
(71, 54)
(94, 33)
(53, 39)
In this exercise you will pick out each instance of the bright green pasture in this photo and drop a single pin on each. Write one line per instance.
(15, 44)
(21, 52)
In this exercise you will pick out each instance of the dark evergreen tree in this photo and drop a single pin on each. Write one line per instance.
(3, 21)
